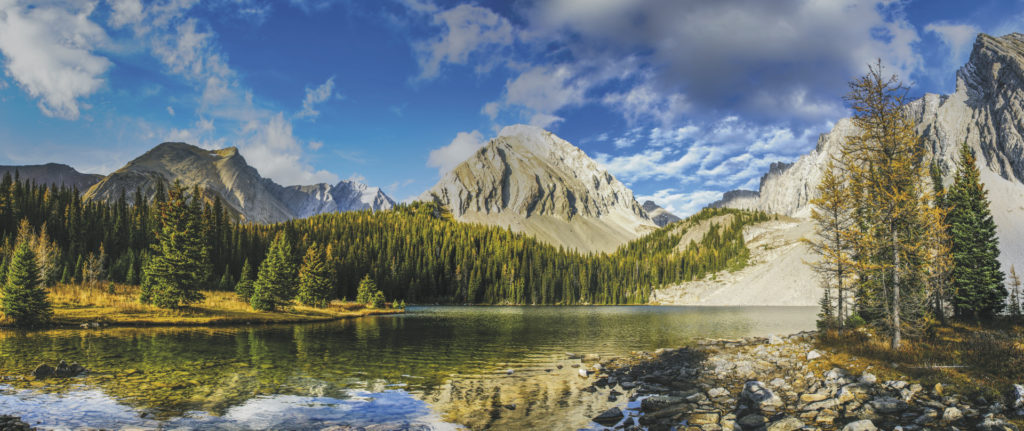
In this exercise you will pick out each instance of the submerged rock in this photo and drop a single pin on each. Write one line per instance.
(610, 417)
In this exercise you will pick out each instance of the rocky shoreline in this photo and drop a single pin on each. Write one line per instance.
(770, 384)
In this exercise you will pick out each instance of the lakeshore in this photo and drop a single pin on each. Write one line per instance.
(118, 305)
(801, 381)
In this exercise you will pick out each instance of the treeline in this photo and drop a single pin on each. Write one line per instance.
(415, 252)
(898, 251)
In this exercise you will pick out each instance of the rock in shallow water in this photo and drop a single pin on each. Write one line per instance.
(610, 417)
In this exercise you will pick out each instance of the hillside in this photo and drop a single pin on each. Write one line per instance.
(53, 174)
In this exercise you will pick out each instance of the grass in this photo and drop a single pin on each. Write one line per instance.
(975, 360)
(118, 305)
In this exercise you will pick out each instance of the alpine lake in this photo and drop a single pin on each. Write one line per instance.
(434, 367)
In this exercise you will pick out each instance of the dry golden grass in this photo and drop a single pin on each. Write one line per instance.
(970, 359)
(118, 305)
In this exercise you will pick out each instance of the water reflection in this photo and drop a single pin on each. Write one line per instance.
(454, 358)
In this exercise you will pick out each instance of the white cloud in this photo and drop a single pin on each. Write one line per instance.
(449, 156)
(682, 203)
(728, 152)
(957, 37)
(467, 29)
(50, 52)
(274, 151)
(125, 12)
(170, 111)
(644, 102)
(315, 145)
(314, 96)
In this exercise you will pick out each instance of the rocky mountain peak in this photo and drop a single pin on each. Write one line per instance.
(528, 174)
(660, 216)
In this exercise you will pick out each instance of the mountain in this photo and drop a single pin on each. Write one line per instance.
(659, 215)
(226, 174)
(53, 173)
(534, 182)
(986, 111)
(347, 195)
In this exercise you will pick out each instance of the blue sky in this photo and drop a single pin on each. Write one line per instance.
(681, 100)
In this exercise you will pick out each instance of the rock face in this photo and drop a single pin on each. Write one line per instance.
(659, 215)
(986, 111)
(226, 174)
(534, 182)
(53, 173)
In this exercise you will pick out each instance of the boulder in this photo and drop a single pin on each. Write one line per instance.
(42, 371)
(952, 414)
(759, 396)
(704, 418)
(1018, 396)
(868, 378)
(861, 425)
(751, 421)
(610, 417)
(786, 424)
(888, 405)
(813, 354)
(718, 392)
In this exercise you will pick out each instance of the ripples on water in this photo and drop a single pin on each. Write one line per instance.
(431, 365)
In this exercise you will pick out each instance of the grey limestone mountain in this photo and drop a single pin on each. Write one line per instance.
(534, 182)
(986, 111)
(53, 174)
(660, 216)
(226, 174)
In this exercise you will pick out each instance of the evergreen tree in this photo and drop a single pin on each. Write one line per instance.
(277, 278)
(367, 289)
(315, 281)
(1015, 306)
(978, 289)
(226, 282)
(245, 281)
(180, 265)
(24, 299)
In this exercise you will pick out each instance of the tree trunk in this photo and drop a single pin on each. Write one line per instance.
(896, 334)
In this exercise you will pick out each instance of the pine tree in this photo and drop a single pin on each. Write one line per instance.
(277, 278)
(366, 291)
(180, 265)
(226, 282)
(978, 289)
(245, 281)
(1015, 306)
(315, 281)
(24, 299)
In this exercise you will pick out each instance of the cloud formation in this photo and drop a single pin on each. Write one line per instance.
(315, 96)
(458, 150)
(49, 50)
(465, 29)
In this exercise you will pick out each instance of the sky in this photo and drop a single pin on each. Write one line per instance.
(680, 100)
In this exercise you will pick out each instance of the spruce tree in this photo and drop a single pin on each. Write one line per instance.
(367, 288)
(315, 281)
(277, 278)
(978, 290)
(24, 299)
(245, 281)
(1015, 310)
(180, 264)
